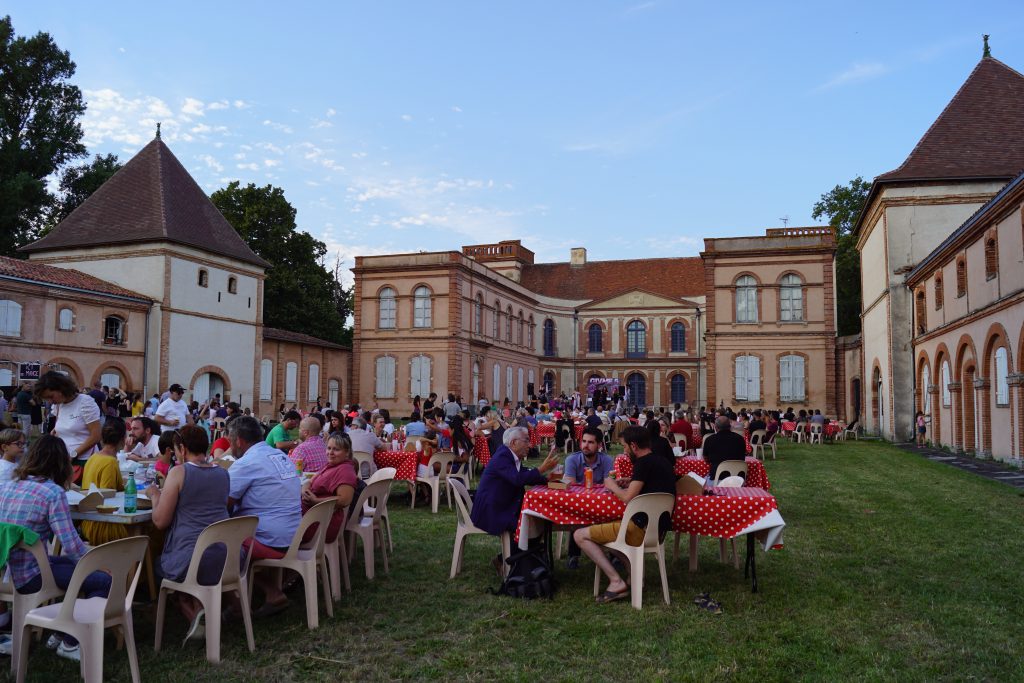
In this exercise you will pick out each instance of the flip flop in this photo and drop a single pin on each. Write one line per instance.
(612, 596)
(196, 629)
(269, 609)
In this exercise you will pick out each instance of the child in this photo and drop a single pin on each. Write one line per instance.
(12, 446)
(922, 429)
(103, 469)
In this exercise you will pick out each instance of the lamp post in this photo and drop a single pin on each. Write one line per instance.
(698, 355)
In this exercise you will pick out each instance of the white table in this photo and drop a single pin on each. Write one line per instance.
(136, 524)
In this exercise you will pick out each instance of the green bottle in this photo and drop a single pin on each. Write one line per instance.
(131, 492)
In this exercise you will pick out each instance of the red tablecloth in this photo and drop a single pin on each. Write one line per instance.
(756, 475)
(788, 427)
(546, 430)
(727, 514)
(577, 431)
(481, 451)
(831, 429)
(534, 436)
(403, 461)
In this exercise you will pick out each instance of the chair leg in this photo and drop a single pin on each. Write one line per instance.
(332, 557)
(735, 555)
(212, 618)
(383, 552)
(22, 654)
(243, 597)
(343, 561)
(460, 540)
(636, 571)
(309, 588)
(597, 579)
(506, 551)
(435, 493)
(128, 629)
(368, 555)
(675, 552)
(161, 608)
(92, 662)
(723, 557)
(326, 586)
(664, 575)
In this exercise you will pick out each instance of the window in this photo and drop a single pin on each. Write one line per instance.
(113, 330)
(1002, 383)
(529, 332)
(111, 378)
(920, 313)
(946, 399)
(476, 382)
(678, 338)
(385, 377)
(746, 300)
(938, 293)
(10, 318)
(313, 388)
(549, 382)
(419, 375)
(478, 315)
(232, 285)
(291, 380)
(678, 389)
(204, 278)
(791, 378)
(594, 338)
(508, 381)
(496, 383)
(386, 315)
(6, 377)
(636, 386)
(496, 321)
(961, 277)
(991, 258)
(66, 320)
(421, 308)
(791, 299)
(549, 337)
(266, 379)
(748, 378)
(522, 323)
(333, 391)
(636, 340)
(508, 325)
(926, 396)
(530, 378)
(519, 394)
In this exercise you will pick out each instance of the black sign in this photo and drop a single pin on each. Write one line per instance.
(29, 371)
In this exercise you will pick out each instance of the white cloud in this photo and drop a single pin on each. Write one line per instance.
(112, 117)
(406, 117)
(121, 50)
(249, 166)
(270, 163)
(320, 123)
(211, 162)
(358, 155)
(220, 104)
(331, 112)
(641, 7)
(457, 109)
(855, 74)
(278, 126)
(241, 104)
(193, 107)
(270, 147)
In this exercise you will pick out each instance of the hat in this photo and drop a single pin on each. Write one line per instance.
(176, 389)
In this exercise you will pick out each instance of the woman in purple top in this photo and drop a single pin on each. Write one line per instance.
(195, 495)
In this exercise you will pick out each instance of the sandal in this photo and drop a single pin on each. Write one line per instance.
(612, 596)
(705, 602)
(269, 609)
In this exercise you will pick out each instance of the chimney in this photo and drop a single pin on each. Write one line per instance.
(578, 256)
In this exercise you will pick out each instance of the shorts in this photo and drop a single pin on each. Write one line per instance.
(922, 430)
(606, 533)
(260, 551)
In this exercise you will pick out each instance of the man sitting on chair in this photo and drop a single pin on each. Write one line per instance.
(650, 475)
(589, 457)
(723, 445)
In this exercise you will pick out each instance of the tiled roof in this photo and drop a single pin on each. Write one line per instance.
(152, 199)
(980, 133)
(675, 278)
(62, 277)
(278, 334)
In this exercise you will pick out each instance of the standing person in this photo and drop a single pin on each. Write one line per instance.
(99, 394)
(103, 470)
(78, 416)
(173, 412)
(4, 407)
(12, 446)
(428, 405)
(23, 403)
(922, 429)
(451, 408)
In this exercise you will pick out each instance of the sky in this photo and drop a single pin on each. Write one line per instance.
(634, 129)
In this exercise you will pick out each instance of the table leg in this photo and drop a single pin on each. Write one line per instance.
(693, 552)
(751, 563)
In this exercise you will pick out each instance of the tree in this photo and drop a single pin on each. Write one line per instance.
(299, 293)
(39, 129)
(843, 206)
(77, 183)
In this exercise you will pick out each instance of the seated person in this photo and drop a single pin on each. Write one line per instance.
(651, 474)
(362, 440)
(659, 445)
(312, 450)
(166, 459)
(723, 445)
(462, 443)
(193, 497)
(282, 436)
(818, 418)
(12, 447)
(36, 499)
(103, 470)
(681, 425)
(338, 480)
(264, 483)
(589, 457)
(592, 419)
(143, 442)
(772, 428)
(757, 422)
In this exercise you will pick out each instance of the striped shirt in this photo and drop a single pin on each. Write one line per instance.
(42, 506)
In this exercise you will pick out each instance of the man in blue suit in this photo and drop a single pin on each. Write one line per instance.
(500, 493)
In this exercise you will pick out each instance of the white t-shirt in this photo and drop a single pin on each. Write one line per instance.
(148, 450)
(6, 469)
(171, 409)
(73, 419)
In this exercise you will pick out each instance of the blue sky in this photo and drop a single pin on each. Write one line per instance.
(632, 128)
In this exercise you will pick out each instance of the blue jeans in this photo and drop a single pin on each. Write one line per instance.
(96, 585)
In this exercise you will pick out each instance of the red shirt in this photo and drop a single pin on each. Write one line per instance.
(685, 428)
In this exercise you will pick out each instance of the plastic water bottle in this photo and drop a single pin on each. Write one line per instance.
(131, 493)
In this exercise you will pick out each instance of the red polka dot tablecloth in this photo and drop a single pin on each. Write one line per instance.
(729, 513)
(403, 461)
(546, 430)
(481, 451)
(756, 475)
(577, 431)
(534, 436)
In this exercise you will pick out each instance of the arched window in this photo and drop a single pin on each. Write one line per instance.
(594, 338)
(496, 321)
(314, 382)
(478, 315)
(529, 332)
(746, 300)
(549, 382)
(291, 381)
(496, 383)
(10, 318)
(946, 398)
(476, 382)
(232, 285)
(748, 378)
(204, 278)
(991, 258)
(926, 397)
(549, 337)
(419, 373)
(266, 379)
(66, 320)
(920, 313)
(519, 393)
(791, 298)
(385, 379)
(678, 389)
(636, 340)
(961, 277)
(508, 325)
(113, 330)
(522, 324)
(111, 377)
(333, 391)
(1002, 372)
(938, 292)
(421, 309)
(636, 385)
(530, 379)
(678, 338)
(508, 381)
(791, 378)
(386, 313)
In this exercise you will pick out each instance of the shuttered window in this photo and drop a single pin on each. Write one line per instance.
(385, 377)
(748, 378)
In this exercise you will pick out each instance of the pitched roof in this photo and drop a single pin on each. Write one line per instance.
(671, 277)
(277, 334)
(980, 133)
(62, 277)
(152, 199)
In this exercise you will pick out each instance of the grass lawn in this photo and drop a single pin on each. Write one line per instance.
(894, 568)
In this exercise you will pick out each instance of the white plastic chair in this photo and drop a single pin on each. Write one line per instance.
(231, 533)
(307, 561)
(86, 618)
(368, 529)
(654, 505)
(733, 481)
(337, 560)
(848, 432)
(444, 459)
(816, 433)
(757, 442)
(364, 458)
(730, 468)
(383, 474)
(21, 603)
(465, 527)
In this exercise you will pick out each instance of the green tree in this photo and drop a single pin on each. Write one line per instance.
(299, 294)
(39, 129)
(78, 182)
(842, 205)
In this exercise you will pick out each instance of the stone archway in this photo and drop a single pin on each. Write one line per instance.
(204, 383)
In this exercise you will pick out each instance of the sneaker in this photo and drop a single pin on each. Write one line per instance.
(573, 563)
(73, 653)
(53, 642)
(6, 645)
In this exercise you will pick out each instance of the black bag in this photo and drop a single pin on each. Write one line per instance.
(529, 575)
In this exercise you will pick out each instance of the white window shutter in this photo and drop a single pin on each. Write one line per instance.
(785, 379)
(799, 384)
(753, 378)
(741, 377)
